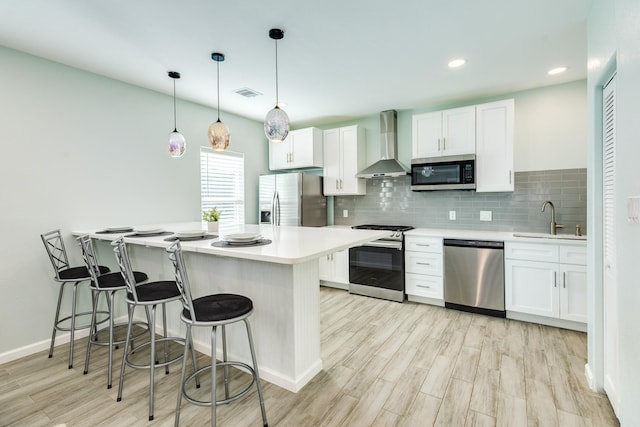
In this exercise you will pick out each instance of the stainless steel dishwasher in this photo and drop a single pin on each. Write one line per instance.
(474, 276)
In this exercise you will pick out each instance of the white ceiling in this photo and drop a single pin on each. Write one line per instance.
(339, 59)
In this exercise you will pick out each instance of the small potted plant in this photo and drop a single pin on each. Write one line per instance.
(212, 216)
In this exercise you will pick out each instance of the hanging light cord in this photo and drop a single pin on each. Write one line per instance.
(277, 101)
(218, 77)
(175, 125)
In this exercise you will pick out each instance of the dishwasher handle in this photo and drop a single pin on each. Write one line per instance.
(484, 244)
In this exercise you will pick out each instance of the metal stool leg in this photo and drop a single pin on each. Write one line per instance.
(164, 334)
(92, 333)
(73, 323)
(124, 353)
(213, 376)
(183, 374)
(55, 320)
(152, 360)
(224, 359)
(255, 369)
(110, 299)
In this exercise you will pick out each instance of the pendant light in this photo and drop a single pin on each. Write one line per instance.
(276, 123)
(218, 131)
(176, 143)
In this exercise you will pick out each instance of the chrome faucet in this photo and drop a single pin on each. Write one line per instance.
(554, 226)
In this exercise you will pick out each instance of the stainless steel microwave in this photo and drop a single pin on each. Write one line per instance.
(444, 173)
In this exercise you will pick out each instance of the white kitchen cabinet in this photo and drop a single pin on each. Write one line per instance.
(423, 269)
(494, 146)
(334, 269)
(546, 279)
(302, 148)
(344, 157)
(444, 133)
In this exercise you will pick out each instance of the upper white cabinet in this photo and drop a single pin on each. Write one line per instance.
(344, 157)
(494, 146)
(444, 133)
(302, 148)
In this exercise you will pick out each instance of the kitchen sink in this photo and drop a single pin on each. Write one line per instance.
(549, 236)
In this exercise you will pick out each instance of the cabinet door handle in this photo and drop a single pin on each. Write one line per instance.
(423, 263)
(438, 144)
(510, 175)
(424, 286)
(564, 279)
(444, 144)
(337, 184)
(291, 157)
(422, 244)
(555, 279)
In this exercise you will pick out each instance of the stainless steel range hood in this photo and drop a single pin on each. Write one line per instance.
(388, 165)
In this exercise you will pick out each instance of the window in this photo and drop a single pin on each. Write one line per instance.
(222, 184)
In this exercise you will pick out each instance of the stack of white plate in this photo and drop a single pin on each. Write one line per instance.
(148, 230)
(119, 228)
(241, 238)
(190, 233)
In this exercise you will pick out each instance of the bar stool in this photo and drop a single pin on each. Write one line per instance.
(213, 311)
(148, 295)
(64, 274)
(107, 284)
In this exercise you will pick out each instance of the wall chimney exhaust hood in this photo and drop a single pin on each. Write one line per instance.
(388, 165)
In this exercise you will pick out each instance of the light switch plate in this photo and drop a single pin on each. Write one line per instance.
(485, 216)
(345, 213)
(452, 215)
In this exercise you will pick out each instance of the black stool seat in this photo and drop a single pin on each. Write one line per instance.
(156, 291)
(219, 307)
(75, 273)
(115, 280)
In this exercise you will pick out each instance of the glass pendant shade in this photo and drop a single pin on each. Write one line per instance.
(218, 132)
(219, 136)
(276, 125)
(177, 144)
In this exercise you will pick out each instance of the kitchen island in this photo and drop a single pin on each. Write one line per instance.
(281, 278)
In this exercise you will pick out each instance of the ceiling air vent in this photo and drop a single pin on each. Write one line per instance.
(247, 93)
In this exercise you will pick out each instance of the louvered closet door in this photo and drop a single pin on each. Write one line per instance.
(611, 356)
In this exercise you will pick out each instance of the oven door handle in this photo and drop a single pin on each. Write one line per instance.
(383, 244)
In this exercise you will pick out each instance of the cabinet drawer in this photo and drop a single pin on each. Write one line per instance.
(571, 254)
(424, 286)
(423, 244)
(423, 263)
(531, 251)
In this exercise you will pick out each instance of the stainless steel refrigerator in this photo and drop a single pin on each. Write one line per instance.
(292, 199)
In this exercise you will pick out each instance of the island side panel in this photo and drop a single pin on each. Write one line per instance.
(285, 321)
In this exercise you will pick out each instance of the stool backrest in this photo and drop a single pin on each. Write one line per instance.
(182, 278)
(122, 256)
(54, 245)
(90, 259)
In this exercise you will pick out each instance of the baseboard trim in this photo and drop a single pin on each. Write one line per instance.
(28, 350)
(589, 375)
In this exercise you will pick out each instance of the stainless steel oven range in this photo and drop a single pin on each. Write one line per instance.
(376, 269)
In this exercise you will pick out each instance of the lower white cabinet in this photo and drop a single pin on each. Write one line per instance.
(546, 279)
(423, 268)
(334, 269)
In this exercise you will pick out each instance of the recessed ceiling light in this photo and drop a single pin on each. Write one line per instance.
(557, 70)
(455, 63)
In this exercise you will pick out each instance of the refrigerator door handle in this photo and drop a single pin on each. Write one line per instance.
(273, 208)
(277, 209)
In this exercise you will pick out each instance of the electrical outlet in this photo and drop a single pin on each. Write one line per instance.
(452, 215)
(485, 216)
(345, 213)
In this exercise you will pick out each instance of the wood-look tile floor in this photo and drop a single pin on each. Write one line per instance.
(385, 364)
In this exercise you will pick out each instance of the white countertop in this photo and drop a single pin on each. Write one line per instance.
(290, 245)
(506, 236)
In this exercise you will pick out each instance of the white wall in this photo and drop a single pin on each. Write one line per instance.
(613, 34)
(80, 150)
(550, 129)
